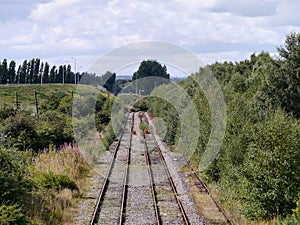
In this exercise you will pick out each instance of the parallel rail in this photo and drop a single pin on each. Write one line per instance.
(170, 180)
(96, 213)
(221, 209)
(152, 185)
(229, 220)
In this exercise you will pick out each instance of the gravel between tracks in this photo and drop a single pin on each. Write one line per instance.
(139, 196)
(175, 161)
(139, 209)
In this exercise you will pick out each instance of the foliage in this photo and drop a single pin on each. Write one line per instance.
(258, 166)
(149, 75)
(39, 182)
(271, 172)
(19, 131)
(12, 215)
(55, 181)
(108, 81)
(67, 161)
(6, 111)
(143, 126)
(53, 101)
(103, 112)
(295, 218)
(54, 128)
(282, 88)
(14, 166)
(151, 68)
(109, 136)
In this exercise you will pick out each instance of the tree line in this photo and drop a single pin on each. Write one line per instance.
(258, 168)
(35, 71)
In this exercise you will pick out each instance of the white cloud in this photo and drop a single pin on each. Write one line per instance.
(215, 28)
(248, 8)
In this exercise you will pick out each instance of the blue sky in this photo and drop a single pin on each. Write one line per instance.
(56, 30)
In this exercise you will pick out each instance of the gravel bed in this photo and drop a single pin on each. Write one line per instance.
(91, 193)
(168, 208)
(110, 207)
(175, 162)
(139, 209)
(139, 205)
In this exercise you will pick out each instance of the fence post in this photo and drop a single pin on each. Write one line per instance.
(36, 104)
(16, 100)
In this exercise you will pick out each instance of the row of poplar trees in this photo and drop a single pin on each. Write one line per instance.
(35, 71)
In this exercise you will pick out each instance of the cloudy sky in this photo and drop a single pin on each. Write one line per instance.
(216, 30)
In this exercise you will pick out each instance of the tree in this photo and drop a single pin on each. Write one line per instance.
(108, 81)
(4, 72)
(152, 74)
(12, 71)
(23, 73)
(53, 74)
(282, 88)
(45, 75)
(151, 68)
(271, 167)
(35, 72)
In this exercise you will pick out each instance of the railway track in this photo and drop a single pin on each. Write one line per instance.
(168, 208)
(110, 205)
(202, 186)
(138, 188)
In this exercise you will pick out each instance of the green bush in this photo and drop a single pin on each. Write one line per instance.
(55, 181)
(53, 128)
(12, 215)
(14, 186)
(19, 131)
(52, 102)
(65, 105)
(6, 111)
(271, 173)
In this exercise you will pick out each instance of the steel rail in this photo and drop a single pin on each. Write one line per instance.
(171, 182)
(96, 213)
(125, 179)
(229, 220)
(152, 185)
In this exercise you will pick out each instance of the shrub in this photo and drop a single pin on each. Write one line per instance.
(14, 166)
(53, 128)
(270, 178)
(55, 181)
(12, 215)
(19, 132)
(6, 111)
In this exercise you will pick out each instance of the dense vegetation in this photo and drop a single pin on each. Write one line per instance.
(40, 162)
(258, 170)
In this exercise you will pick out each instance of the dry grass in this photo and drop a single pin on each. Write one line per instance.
(56, 207)
(67, 160)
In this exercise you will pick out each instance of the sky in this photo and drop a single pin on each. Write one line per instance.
(65, 31)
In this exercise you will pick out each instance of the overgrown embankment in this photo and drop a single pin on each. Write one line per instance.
(41, 164)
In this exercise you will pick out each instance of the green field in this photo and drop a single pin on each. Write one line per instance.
(26, 93)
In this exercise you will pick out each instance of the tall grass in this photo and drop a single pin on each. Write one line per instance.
(66, 160)
(49, 204)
